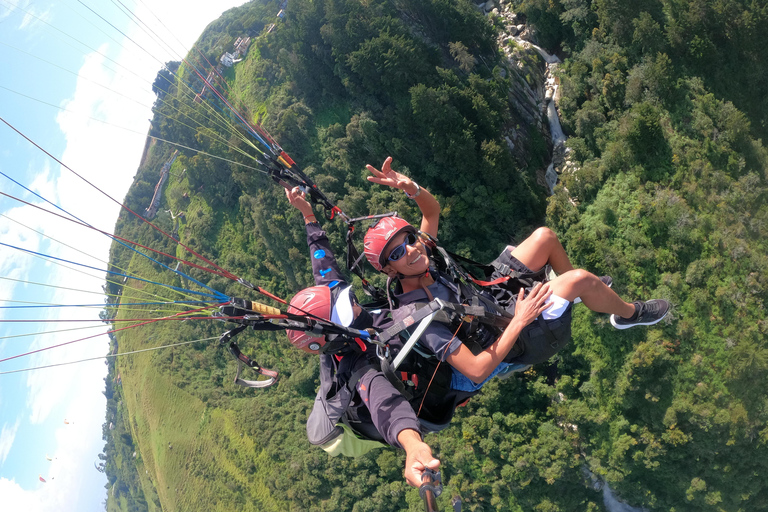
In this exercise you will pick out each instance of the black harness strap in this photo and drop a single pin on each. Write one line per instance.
(389, 373)
(553, 342)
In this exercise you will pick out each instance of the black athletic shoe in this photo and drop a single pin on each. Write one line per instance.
(650, 312)
(607, 281)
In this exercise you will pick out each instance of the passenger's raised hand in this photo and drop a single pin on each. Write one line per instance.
(391, 178)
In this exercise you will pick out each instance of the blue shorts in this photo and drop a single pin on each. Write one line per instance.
(461, 382)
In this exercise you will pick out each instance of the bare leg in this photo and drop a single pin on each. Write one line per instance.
(540, 248)
(594, 294)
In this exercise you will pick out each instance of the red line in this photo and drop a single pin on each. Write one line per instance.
(147, 321)
(226, 272)
(195, 265)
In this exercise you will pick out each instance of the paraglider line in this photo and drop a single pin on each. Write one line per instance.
(109, 355)
(219, 296)
(148, 321)
(228, 274)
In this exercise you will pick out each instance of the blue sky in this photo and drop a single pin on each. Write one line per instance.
(60, 53)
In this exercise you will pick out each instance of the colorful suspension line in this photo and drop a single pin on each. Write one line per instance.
(231, 130)
(218, 295)
(183, 60)
(115, 296)
(141, 322)
(49, 305)
(272, 145)
(116, 238)
(208, 123)
(229, 274)
(57, 331)
(99, 278)
(36, 305)
(109, 356)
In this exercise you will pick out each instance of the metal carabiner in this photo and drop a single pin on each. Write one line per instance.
(382, 351)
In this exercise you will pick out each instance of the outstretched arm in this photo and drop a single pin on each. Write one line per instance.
(397, 423)
(325, 268)
(430, 208)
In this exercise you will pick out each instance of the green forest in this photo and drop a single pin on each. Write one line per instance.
(663, 106)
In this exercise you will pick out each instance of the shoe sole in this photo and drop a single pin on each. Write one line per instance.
(627, 326)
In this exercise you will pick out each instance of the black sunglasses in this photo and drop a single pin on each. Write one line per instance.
(398, 252)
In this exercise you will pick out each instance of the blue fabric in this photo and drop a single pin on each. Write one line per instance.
(461, 382)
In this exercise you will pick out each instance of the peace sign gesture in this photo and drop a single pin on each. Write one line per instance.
(391, 178)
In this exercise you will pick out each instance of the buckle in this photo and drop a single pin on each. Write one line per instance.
(502, 268)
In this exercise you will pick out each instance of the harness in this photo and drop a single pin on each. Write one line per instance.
(417, 374)
(261, 317)
(487, 306)
(539, 340)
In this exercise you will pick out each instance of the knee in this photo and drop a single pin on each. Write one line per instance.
(584, 278)
(544, 235)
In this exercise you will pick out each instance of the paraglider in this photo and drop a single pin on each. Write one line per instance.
(42, 479)
(48, 457)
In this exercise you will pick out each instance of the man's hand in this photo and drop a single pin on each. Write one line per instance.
(387, 176)
(418, 456)
(298, 200)
(530, 307)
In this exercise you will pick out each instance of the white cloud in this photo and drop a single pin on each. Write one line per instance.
(42, 182)
(6, 10)
(16, 498)
(7, 435)
(33, 17)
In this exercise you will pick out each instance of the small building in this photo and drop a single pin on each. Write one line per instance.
(229, 59)
(241, 45)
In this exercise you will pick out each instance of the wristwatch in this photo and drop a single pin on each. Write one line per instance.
(413, 196)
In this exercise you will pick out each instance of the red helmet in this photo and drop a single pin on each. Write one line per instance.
(378, 237)
(316, 301)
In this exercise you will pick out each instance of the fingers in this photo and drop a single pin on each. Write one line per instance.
(540, 290)
(537, 300)
(387, 167)
(293, 193)
(417, 461)
(413, 475)
(377, 173)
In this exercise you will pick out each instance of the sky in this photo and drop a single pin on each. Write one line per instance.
(75, 84)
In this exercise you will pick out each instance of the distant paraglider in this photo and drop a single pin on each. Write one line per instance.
(48, 457)
(67, 422)
(42, 479)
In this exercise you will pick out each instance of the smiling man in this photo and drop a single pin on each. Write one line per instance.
(541, 323)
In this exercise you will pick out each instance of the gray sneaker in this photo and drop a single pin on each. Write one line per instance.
(649, 313)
